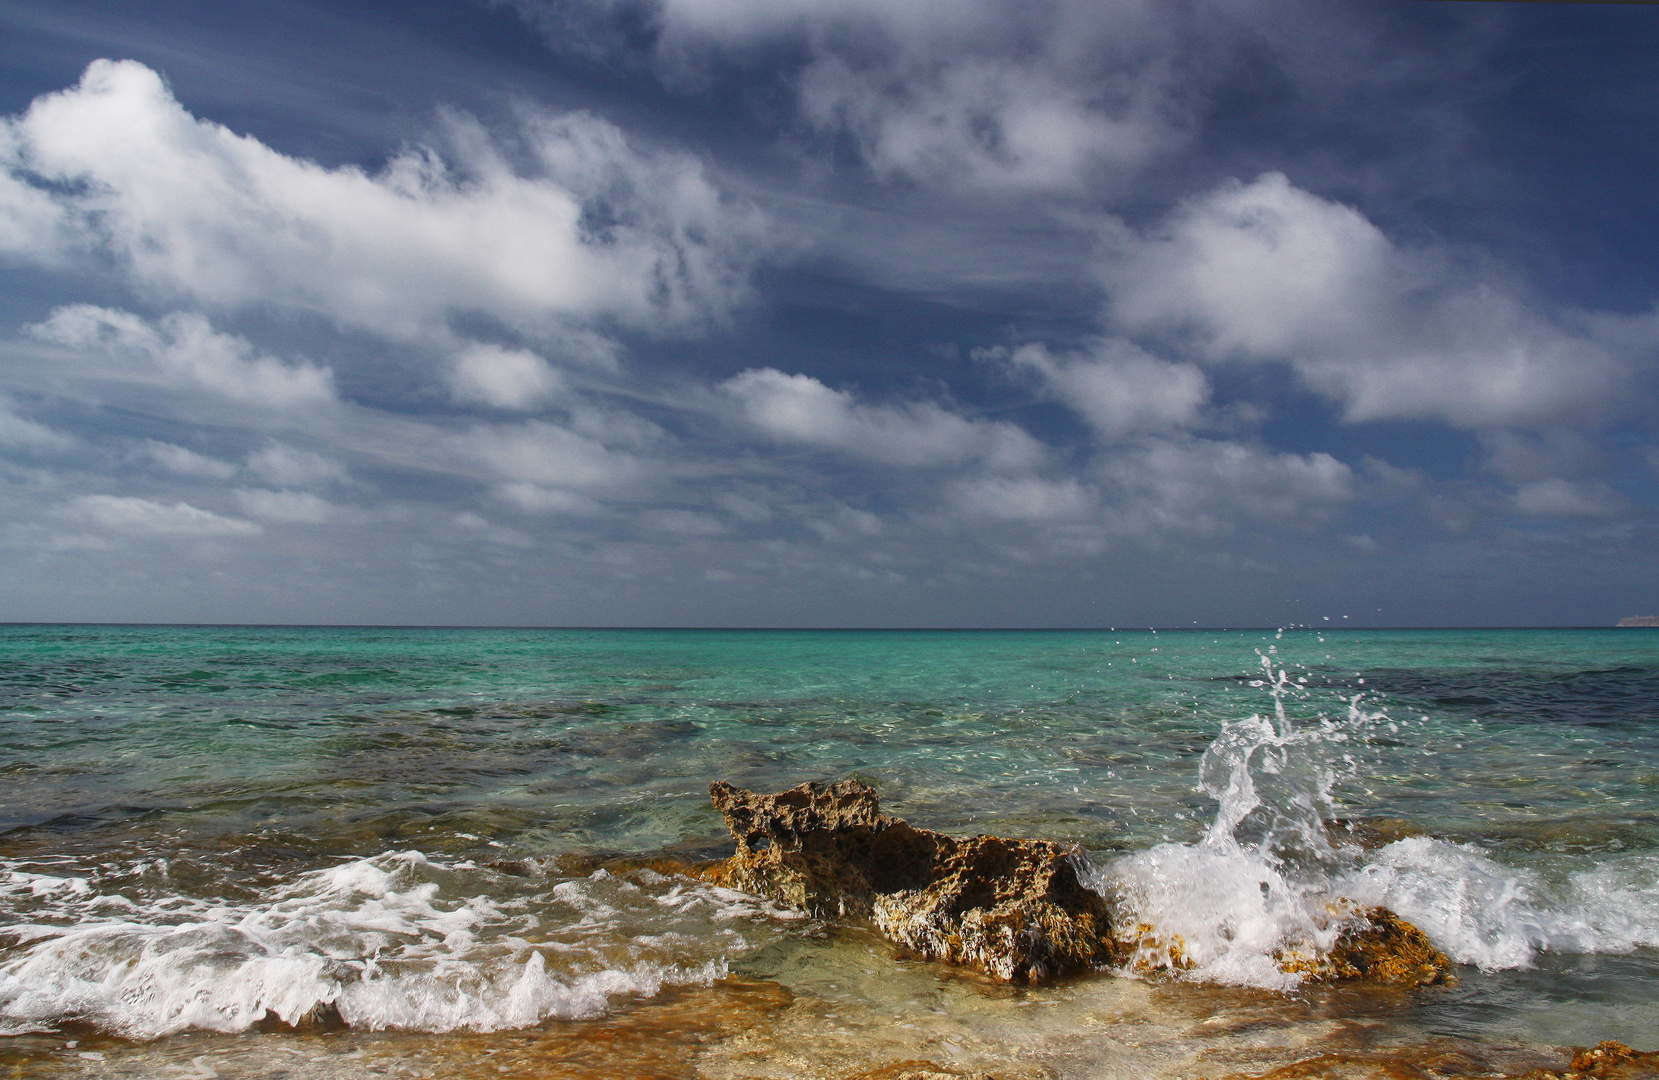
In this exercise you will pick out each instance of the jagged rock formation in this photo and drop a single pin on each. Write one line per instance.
(1013, 909)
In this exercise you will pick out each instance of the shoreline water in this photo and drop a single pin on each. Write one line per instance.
(332, 800)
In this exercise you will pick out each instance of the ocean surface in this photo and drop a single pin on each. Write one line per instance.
(298, 852)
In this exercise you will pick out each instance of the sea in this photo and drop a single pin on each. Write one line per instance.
(426, 852)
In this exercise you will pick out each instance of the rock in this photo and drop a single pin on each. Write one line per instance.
(823, 848)
(1378, 947)
(1609, 1060)
(918, 1070)
(1013, 909)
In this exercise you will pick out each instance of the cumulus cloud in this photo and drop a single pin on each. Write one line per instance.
(981, 122)
(504, 378)
(978, 95)
(1119, 388)
(799, 409)
(541, 466)
(1025, 498)
(1267, 272)
(1207, 487)
(591, 227)
(129, 515)
(289, 466)
(183, 349)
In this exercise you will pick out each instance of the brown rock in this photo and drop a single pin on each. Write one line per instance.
(823, 848)
(1378, 947)
(1013, 909)
(1609, 1060)
(918, 1070)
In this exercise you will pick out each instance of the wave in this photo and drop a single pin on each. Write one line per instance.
(1272, 877)
(394, 941)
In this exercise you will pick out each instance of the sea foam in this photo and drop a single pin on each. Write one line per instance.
(394, 941)
(1272, 876)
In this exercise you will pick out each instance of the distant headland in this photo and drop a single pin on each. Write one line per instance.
(1640, 620)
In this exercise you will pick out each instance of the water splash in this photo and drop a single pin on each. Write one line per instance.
(1260, 882)
(1271, 876)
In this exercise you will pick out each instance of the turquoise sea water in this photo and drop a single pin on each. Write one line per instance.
(207, 832)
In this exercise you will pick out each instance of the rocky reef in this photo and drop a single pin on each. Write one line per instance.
(1015, 910)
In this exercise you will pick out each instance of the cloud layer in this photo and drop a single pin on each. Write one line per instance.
(810, 313)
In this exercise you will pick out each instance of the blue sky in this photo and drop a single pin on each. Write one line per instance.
(829, 313)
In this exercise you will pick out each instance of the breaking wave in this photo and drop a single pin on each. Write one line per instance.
(394, 941)
(1271, 875)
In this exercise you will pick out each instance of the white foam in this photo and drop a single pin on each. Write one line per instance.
(1482, 912)
(1266, 878)
(393, 941)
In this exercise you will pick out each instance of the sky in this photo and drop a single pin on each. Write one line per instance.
(829, 312)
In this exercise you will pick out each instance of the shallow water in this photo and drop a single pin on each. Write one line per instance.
(393, 838)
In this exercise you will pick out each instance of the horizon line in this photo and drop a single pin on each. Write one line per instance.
(1269, 628)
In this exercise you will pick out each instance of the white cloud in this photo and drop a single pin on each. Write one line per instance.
(33, 224)
(548, 456)
(504, 378)
(842, 523)
(178, 459)
(288, 466)
(133, 516)
(1268, 272)
(189, 209)
(537, 499)
(800, 409)
(1120, 389)
(972, 95)
(1559, 498)
(1026, 498)
(1523, 456)
(984, 123)
(183, 350)
(296, 507)
(1207, 487)
(685, 523)
(17, 431)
